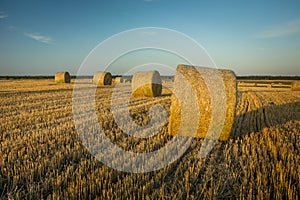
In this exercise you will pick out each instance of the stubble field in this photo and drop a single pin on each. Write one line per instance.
(42, 156)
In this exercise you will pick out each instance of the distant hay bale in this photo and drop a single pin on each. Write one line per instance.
(295, 86)
(102, 78)
(125, 80)
(269, 86)
(189, 84)
(62, 77)
(146, 84)
(117, 80)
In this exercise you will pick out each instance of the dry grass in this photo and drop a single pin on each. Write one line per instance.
(42, 157)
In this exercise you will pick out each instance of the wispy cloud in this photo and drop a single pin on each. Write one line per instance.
(40, 38)
(286, 29)
(3, 15)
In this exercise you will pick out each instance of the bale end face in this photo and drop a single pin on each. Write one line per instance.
(62, 77)
(229, 81)
(202, 83)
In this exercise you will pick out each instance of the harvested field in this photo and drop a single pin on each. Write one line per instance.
(266, 83)
(41, 156)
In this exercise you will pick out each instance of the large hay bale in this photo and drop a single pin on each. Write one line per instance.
(62, 77)
(185, 112)
(295, 86)
(102, 78)
(146, 84)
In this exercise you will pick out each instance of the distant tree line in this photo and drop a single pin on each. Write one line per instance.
(268, 77)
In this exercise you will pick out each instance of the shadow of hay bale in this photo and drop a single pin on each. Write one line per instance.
(264, 117)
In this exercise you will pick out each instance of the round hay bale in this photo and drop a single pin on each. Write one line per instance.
(118, 79)
(62, 77)
(126, 80)
(295, 86)
(186, 112)
(146, 84)
(102, 78)
(269, 86)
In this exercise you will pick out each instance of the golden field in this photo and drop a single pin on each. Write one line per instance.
(42, 157)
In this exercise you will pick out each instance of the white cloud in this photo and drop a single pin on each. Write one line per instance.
(40, 38)
(3, 15)
(286, 29)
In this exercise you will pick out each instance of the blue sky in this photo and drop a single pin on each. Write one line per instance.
(249, 37)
